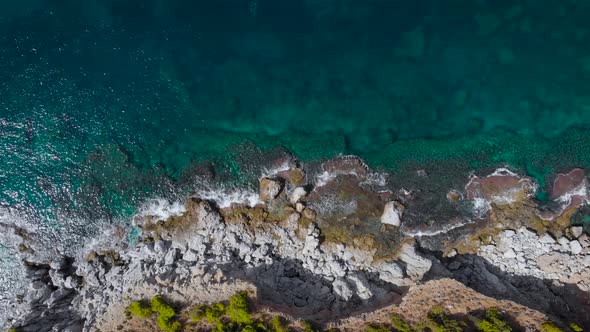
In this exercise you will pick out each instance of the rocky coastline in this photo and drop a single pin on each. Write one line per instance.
(333, 245)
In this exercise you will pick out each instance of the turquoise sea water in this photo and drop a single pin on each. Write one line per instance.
(104, 104)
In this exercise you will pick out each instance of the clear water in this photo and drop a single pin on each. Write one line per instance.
(104, 104)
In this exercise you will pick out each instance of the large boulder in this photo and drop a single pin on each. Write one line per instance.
(392, 213)
(270, 188)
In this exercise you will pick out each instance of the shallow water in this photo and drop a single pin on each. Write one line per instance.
(105, 104)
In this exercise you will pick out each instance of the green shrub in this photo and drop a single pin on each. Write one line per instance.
(399, 324)
(576, 327)
(214, 312)
(278, 325)
(493, 322)
(139, 310)
(439, 321)
(166, 313)
(549, 326)
(249, 328)
(377, 328)
(238, 309)
(197, 313)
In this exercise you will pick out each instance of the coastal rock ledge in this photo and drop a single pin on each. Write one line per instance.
(330, 251)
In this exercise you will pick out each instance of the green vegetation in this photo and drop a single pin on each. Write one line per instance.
(157, 305)
(238, 309)
(236, 315)
(197, 313)
(139, 310)
(399, 324)
(439, 321)
(278, 325)
(492, 322)
(549, 326)
(214, 312)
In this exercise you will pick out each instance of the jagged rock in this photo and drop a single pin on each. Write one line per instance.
(342, 289)
(392, 213)
(564, 242)
(57, 296)
(72, 282)
(584, 240)
(297, 194)
(510, 253)
(299, 207)
(546, 238)
(576, 231)
(58, 263)
(57, 277)
(190, 256)
(391, 272)
(270, 189)
(575, 247)
(416, 265)
(171, 256)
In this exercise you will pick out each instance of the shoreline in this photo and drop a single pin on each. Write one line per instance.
(349, 257)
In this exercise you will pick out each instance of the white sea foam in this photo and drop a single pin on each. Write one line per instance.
(580, 190)
(224, 198)
(272, 172)
(161, 209)
(446, 228)
(12, 272)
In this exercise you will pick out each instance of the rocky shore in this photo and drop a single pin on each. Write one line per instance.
(329, 245)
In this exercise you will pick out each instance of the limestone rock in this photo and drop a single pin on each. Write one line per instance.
(576, 231)
(510, 253)
(270, 189)
(416, 265)
(297, 194)
(546, 238)
(575, 247)
(392, 213)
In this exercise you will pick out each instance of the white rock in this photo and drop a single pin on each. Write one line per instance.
(170, 257)
(297, 194)
(510, 253)
(269, 189)
(361, 286)
(392, 213)
(563, 241)
(190, 256)
(576, 231)
(508, 233)
(71, 282)
(575, 247)
(299, 207)
(546, 238)
(452, 253)
(392, 273)
(416, 265)
(586, 260)
(342, 289)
